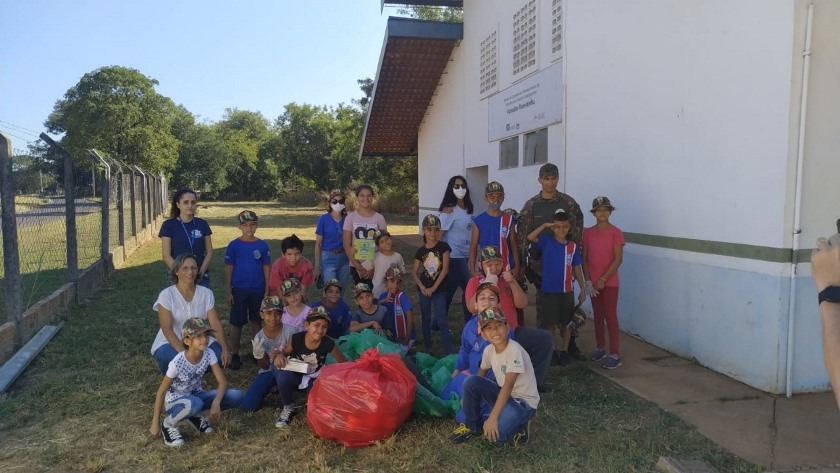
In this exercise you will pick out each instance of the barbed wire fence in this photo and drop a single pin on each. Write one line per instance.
(63, 216)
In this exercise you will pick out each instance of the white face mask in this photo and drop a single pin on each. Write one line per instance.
(460, 193)
(337, 207)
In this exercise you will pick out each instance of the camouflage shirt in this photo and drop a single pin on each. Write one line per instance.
(537, 211)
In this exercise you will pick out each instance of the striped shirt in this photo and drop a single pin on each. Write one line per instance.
(558, 262)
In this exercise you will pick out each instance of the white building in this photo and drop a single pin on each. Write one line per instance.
(707, 123)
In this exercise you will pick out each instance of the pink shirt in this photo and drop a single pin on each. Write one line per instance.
(600, 246)
(280, 270)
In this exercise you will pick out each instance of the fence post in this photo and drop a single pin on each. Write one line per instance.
(69, 209)
(105, 189)
(11, 258)
(143, 209)
(133, 194)
(120, 205)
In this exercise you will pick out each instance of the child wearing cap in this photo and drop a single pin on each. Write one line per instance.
(431, 265)
(247, 262)
(370, 314)
(294, 310)
(291, 264)
(399, 316)
(335, 306)
(385, 258)
(331, 261)
(269, 341)
(513, 394)
(495, 228)
(180, 391)
(603, 251)
(311, 346)
(562, 262)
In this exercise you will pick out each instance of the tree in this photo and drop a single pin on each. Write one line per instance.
(304, 146)
(431, 13)
(117, 110)
(243, 134)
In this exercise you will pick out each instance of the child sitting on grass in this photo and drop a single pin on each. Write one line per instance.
(180, 391)
(338, 309)
(370, 314)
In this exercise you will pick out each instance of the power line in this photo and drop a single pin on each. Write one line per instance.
(26, 140)
(24, 130)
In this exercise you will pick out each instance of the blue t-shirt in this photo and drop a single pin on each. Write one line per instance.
(339, 318)
(558, 261)
(186, 237)
(390, 322)
(248, 259)
(458, 227)
(330, 231)
(490, 232)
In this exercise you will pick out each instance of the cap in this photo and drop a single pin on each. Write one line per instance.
(549, 169)
(561, 215)
(358, 289)
(316, 313)
(489, 253)
(332, 283)
(487, 285)
(247, 216)
(379, 235)
(494, 188)
(601, 201)
(194, 326)
(290, 285)
(489, 315)
(394, 272)
(337, 193)
(431, 221)
(271, 303)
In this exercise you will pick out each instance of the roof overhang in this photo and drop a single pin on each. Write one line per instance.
(414, 56)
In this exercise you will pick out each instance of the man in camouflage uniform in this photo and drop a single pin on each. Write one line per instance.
(538, 210)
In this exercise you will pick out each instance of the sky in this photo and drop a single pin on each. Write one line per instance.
(207, 55)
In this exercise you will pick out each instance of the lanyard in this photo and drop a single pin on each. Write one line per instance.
(190, 237)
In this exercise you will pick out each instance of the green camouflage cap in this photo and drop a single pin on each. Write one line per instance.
(549, 169)
(247, 216)
(271, 303)
(601, 201)
(394, 272)
(431, 221)
(494, 188)
(316, 313)
(361, 288)
(332, 283)
(489, 315)
(194, 326)
(489, 253)
(290, 285)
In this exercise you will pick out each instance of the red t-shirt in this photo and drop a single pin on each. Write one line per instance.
(600, 246)
(280, 270)
(505, 298)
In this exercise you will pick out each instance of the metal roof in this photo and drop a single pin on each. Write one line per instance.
(414, 56)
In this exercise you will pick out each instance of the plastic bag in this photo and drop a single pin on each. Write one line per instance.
(359, 402)
(438, 372)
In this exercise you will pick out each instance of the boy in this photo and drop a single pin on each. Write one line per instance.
(335, 306)
(291, 264)
(370, 314)
(180, 391)
(556, 296)
(247, 261)
(495, 228)
(513, 394)
(385, 258)
(399, 316)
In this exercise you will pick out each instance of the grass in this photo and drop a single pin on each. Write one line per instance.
(85, 403)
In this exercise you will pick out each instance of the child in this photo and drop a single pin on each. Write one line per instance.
(385, 258)
(247, 261)
(294, 310)
(603, 251)
(359, 231)
(495, 228)
(513, 394)
(431, 264)
(180, 391)
(561, 259)
(399, 317)
(338, 309)
(291, 264)
(312, 347)
(370, 314)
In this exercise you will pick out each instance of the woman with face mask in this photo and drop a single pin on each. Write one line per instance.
(331, 261)
(456, 222)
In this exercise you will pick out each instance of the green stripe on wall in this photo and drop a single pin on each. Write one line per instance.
(735, 250)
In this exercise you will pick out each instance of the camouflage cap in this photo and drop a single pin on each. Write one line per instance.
(290, 285)
(490, 315)
(337, 193)
(271, 303)
(361, 288)
(601, 201)
(247, 216)
(194, 326)
(430, 221)
(549, 169)
(394, 272)
(494, 188)
(332, 283)
(489, 253)
(317, 313)
(487, 285)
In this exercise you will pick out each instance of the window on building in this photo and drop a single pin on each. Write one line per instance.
(536, 147)
(509, 153)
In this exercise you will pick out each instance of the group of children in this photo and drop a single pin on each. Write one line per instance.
(293, 339)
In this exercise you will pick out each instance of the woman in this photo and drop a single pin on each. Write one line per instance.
(456, 222)
(331, 261)
(179, 302)
(186, 233)
(359, 233)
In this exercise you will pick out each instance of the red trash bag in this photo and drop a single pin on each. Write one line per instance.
(359, 402)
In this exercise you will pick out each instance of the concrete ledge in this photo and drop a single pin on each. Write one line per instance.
(675, 465)
(13, 368)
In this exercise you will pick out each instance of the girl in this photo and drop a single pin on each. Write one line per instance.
(186, 233)
(603, 251)
(331, 260)
(431, 264)
(456, 222)
(359, 231)
(294, 310)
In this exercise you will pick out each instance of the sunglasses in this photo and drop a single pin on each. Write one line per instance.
(459, 186)
(336, 201)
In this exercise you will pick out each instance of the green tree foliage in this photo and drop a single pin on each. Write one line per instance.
(117, 110)
(243, 134)
(431, 13)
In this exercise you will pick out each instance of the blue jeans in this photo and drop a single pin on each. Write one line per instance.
(479, 391)
(165, 353)
(287, 384)
(335, 265)
(458, 277)
(257, 391)
(194, 404)
(428, 319)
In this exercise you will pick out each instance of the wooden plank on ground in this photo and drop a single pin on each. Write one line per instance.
(13, 368)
